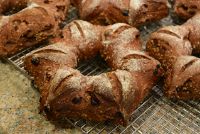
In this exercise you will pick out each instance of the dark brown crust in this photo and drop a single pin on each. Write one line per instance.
(183, 80)
(168, 43)
(133, 12)
(49, 59)
(58, 8)
(186, 8)
(117, 41)
(172, 46)
(29, 26)
(112, 96)
(193, 25)
(9, 5)
(87, 36)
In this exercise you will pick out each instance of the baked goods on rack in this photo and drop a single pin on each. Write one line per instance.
(24, 23)
(173, 47)
(133, 12)
(186, 8)
(114, 95)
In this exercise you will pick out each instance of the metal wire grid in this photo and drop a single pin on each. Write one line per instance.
(156, 115)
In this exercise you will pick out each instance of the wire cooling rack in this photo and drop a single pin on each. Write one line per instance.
(156, 115)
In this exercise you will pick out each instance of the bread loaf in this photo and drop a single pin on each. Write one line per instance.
(186, 8)
(133, 12)
(114, 95)
(25, 23)
(173, 47)
(183, 79)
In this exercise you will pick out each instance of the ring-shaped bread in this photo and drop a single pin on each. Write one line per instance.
(114, 95)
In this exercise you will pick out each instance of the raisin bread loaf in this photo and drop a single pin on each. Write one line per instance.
(114, 95)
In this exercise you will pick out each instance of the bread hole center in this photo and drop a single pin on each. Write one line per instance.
(94, 66)
(14, 8)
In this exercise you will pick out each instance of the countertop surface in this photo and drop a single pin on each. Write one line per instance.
(19, 104)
